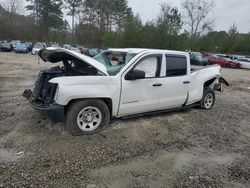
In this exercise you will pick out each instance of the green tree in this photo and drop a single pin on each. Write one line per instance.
(48, 14)
(169, 19)
(110, 39)
(89, 35)
(131, 37)
(107, 15)
(73, 7)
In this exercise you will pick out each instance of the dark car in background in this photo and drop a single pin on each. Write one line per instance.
(7, 47)
(197, 58)
(15, 43)
(91, 52)
(29, 46)
(22, 48)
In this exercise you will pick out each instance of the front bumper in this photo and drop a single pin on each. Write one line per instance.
(21, 51)
(34, 52)
(235, 66)
(53, 111)
(5, 49)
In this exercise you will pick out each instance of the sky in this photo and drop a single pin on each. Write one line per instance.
(226, 12)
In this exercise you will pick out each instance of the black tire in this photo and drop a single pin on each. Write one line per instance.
(208, 99)
(73, 113)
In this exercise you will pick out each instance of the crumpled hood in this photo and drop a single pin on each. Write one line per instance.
(56, 55)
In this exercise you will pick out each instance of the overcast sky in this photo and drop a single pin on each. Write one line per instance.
(226, 12)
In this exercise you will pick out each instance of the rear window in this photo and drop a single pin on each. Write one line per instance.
(176, 65)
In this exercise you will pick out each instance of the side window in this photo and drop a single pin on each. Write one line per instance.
(176, 65)
(150, 65)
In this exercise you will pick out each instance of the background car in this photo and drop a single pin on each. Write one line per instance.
(197, 58)
(22, 48)
(245, 63)
(29, 45)
(15, 43)
(75, 49)
(234, 57)
(55, 45)
(223, 62)
(6, 47)
(2, 42)
(79, 47)
(37, 47)
(67, 46)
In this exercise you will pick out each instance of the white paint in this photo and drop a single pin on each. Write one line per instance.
(136, 96)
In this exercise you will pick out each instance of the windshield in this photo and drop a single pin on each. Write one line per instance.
(21, 45)
(114, 61)
(5, 45)
(38, 45)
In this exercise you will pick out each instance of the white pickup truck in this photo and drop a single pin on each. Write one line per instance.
(86, 93)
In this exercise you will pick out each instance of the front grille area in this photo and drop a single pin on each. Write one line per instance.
(44, 91)
(48, 93)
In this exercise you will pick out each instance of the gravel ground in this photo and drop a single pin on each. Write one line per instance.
(191, 148)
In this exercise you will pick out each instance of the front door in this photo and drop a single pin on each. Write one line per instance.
(142, 95)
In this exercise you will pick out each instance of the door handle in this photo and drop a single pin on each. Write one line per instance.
(186, 82)
(157, 85)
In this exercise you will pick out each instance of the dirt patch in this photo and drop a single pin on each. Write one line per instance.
(7, 156)
(191, 148)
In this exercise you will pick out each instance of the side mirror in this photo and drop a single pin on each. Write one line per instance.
(135, 75)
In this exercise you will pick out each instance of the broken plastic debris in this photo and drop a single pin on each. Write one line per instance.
(20, 153)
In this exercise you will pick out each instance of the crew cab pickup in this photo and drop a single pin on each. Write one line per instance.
(86, 93)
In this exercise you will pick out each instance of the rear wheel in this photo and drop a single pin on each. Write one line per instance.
(208, 99)
(87, 117)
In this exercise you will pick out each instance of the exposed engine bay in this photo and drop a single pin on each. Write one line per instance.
(44, 92)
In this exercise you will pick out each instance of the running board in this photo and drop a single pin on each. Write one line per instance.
(159, 112)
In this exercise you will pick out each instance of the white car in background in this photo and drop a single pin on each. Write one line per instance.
(75, 49)
(245, 63)
(38, 46)
(67, 46)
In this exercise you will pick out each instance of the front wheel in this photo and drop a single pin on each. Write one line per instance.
(87, 117)
(208, 99)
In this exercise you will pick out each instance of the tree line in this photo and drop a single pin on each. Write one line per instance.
(112, 23)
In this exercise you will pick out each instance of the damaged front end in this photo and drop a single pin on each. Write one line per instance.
(42, 98)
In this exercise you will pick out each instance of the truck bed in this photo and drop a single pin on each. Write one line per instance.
(199, 75)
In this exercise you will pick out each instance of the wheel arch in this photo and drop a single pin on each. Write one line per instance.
(209, 83)
(107, 101)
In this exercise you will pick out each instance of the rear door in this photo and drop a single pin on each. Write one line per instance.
(175, 83)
